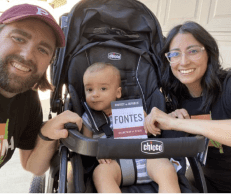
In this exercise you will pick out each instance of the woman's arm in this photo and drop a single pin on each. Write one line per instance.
(155, 132)
(218, 130)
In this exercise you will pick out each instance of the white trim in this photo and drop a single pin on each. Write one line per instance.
(140, 85)
(91, 117)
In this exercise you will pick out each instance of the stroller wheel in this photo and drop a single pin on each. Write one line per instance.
(37, 184)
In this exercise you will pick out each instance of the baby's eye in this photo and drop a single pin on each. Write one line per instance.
(103, 89)
(88, 89)
(18, 39)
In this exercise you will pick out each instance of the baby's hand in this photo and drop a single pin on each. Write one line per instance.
(104, 161)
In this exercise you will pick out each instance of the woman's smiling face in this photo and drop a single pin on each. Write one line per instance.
(188, 72)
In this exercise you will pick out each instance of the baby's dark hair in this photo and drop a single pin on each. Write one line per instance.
(98, 66)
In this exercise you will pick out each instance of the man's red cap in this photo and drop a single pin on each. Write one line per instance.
(24, 11)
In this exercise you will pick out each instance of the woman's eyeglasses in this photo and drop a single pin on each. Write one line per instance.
(193, 54)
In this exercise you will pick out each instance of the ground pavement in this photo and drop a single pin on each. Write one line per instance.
(13, 178)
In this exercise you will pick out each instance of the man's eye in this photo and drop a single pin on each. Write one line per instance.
(18, 39)
(43, 51)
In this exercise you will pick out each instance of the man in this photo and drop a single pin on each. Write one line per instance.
(29, 36)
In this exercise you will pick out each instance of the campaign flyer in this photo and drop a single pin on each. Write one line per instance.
(128, 119)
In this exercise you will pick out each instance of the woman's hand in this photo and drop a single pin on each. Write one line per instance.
(156, 132)
(180, 114)
(158, 120)
(104, 161)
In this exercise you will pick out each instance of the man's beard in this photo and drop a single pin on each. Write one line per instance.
(13, 83)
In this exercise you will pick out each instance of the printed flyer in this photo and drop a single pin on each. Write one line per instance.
(128, 119)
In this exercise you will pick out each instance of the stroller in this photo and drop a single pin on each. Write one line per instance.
(126, 34)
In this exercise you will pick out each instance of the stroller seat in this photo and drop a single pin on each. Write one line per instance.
(126, 34)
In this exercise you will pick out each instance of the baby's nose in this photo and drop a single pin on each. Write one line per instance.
(95, 93)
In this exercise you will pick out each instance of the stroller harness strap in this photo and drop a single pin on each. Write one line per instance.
(100, 122)
(107, 130)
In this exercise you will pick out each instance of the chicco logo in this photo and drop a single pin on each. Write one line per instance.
(42, 11)
(152, 147)
(114, 56)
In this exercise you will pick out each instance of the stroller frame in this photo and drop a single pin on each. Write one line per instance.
(77, 145)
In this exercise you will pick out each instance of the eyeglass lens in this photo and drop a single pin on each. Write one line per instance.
(193, 54)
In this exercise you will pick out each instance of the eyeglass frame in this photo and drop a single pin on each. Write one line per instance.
(183, 53)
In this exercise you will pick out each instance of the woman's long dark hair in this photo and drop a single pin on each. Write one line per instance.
(212, 80)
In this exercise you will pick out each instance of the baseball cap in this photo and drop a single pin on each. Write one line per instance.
(24, 11)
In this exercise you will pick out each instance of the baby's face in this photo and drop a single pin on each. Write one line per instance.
(101, 88)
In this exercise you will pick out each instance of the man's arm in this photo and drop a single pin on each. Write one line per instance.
(37, 160)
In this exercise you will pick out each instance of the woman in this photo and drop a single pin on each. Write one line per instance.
(194, 83)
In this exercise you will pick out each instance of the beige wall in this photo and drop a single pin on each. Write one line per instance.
(213, 15)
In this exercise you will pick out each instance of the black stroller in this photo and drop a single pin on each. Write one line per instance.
(126, 34)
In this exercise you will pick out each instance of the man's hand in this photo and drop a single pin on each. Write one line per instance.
(38, 159)
(54, 128)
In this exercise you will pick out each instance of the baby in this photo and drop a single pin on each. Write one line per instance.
(102, 86)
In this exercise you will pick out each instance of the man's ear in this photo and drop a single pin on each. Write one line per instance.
(119, 92)
(35, 87)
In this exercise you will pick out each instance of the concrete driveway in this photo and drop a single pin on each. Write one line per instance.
(13, 178)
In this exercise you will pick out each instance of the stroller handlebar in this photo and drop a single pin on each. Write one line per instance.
(133, 148)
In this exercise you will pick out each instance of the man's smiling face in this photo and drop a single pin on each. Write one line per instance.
(26, 49)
